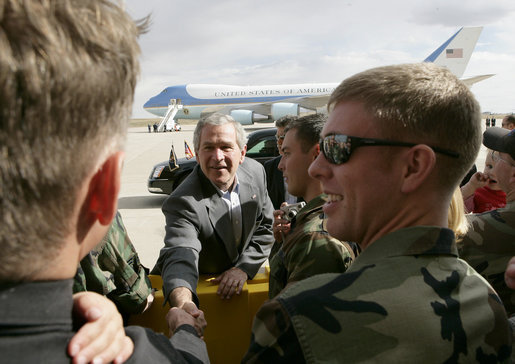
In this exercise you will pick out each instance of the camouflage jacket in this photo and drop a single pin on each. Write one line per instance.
(406, 298)
(113, 269)
(308, 250)
(488, 246)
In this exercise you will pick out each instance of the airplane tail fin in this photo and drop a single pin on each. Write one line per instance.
(456, 51)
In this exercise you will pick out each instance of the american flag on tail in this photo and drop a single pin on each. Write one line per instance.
(454, 53)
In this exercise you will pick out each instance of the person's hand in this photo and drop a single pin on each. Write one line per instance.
(478, 180)
(194, 317)
(509, 275)
(281, 227)
(231, 281)
(102, 337)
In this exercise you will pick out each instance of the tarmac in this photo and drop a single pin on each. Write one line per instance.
(140, 209)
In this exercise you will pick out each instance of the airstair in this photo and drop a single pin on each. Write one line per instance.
(168, 122)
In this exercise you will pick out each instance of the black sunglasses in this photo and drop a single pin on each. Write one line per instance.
(337, 148)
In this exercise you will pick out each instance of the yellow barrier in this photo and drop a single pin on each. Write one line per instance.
(229, 322)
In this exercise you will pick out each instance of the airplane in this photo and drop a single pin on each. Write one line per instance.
(249, 104)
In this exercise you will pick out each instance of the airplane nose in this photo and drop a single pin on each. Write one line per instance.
(148, 103)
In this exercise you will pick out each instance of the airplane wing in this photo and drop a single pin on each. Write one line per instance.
(307, 102)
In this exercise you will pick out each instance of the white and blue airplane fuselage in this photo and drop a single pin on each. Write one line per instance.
(201, 98)
(267, 103)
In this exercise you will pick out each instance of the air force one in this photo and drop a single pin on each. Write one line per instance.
(249, 104)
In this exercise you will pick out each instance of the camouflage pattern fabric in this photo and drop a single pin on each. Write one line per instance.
(488, 246)
(308, 250)
(113, 269)
(407, 298)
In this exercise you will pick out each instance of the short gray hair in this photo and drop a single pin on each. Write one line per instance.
(219, 119)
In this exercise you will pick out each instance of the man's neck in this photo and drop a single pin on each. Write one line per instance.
(421, 212)
(313, 190)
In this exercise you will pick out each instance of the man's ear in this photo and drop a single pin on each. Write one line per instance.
(316, 150)
(104, 187)
(419, 164)
(243, 152)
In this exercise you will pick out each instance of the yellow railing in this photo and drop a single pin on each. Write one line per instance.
(229, 322)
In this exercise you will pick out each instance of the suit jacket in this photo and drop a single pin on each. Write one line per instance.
(275, 182)
(36, 326)
(199, 235)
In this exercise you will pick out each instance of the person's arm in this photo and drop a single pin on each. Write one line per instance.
(273, 338)
(478, 180)
(178, 259)
(133, 290)
(316, 253)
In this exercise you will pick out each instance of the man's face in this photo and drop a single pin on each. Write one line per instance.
(219, 154)
(295, 163)
(507, 125)
(358, 190)
(504, 170)
(279, 136)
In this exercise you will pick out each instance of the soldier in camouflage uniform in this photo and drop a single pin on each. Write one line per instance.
(113, 269)
(490, 242)
(308, 249)
(407, 297)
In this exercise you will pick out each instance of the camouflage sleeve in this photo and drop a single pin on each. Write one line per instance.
(318, 253)
(113, 269)
(273, 337)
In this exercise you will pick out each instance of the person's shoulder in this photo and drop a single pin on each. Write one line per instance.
(272, 162)
(251, 168)
(505, 215)
(250, 163)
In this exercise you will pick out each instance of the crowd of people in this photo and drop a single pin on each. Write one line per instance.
(367, 269)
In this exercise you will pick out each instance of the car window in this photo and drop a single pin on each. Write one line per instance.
(264, 148)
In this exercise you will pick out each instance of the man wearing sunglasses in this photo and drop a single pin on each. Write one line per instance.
(398, 141)
(490, 241)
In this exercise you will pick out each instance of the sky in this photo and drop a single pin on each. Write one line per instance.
(265, 42)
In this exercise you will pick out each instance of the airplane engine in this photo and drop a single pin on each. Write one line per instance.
(281, 109)
(247, 117)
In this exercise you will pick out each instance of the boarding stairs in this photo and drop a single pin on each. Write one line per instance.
(168, 122)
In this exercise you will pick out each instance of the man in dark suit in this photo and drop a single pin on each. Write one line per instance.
(220, 218)
(274, 177)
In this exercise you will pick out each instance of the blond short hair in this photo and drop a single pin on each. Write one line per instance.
(421, 103)
(68, 70)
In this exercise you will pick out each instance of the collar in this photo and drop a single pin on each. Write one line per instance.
(234, 188)
(36, 303)
(315, 204)
(411, 241)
